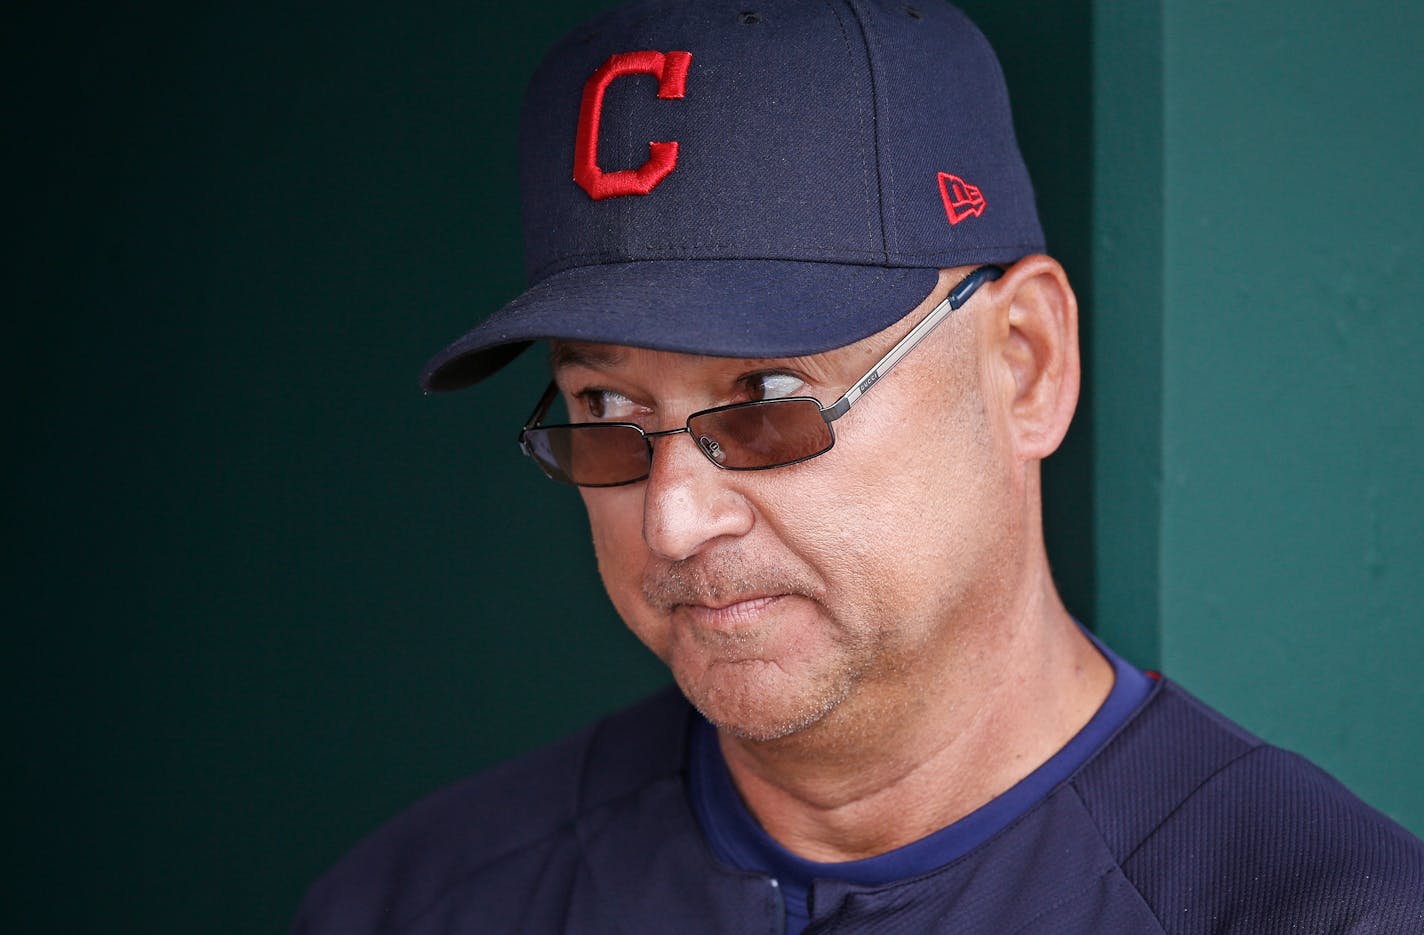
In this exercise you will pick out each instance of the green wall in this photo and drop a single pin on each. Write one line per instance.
(1259, 262)
(264, 593)
(1045, 47)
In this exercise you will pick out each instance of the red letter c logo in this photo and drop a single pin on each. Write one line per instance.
(671, 71)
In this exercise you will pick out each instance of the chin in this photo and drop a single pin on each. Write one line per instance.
(758, 704)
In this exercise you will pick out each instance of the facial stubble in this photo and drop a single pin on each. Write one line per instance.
(764, 702)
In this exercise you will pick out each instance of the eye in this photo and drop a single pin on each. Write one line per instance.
(607, 404)
(774, 384)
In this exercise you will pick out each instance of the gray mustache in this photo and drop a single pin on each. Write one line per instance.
(713, 581)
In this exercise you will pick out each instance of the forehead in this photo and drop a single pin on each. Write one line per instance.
(566, 354)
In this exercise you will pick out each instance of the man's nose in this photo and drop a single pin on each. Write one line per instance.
(689, 502)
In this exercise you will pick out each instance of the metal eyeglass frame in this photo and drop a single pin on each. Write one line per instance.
(956, 299)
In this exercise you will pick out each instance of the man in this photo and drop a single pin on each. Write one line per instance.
(807, 355)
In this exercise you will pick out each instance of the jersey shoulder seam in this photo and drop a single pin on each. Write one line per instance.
(1191, 794)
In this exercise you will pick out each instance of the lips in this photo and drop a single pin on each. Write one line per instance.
(716, 583)
(729, 603)
(731, 616)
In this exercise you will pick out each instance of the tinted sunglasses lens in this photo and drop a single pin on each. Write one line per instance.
(590, 455)
(763, 434)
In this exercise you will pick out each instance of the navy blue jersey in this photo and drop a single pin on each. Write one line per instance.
(738, 841)
(1182, 822)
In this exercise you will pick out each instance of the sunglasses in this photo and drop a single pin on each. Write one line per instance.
(751, 436)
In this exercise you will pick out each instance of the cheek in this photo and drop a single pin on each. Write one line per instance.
(915, 511)
(615, 523)
(891, 534)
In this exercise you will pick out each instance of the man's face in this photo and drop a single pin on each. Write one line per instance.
(839, 588)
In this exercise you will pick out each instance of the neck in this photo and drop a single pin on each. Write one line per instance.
(893, 766)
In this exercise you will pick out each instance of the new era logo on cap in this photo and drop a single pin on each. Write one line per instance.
(961, 200)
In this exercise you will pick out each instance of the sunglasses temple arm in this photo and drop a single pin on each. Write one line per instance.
(545, 402)
(956, 298)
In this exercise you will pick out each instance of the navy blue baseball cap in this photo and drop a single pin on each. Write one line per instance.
(758, 178)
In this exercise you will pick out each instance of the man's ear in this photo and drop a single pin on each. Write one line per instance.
(1034, 350)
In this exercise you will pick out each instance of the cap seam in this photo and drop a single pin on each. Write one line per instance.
(872, 187)
(872, 70)
(875, 258)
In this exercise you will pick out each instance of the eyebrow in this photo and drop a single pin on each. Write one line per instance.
(597, 357)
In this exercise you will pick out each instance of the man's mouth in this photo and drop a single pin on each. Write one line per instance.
(718, 586)
(727, 603)
(730, 616)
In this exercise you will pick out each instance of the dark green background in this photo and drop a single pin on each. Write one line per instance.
(265, 593)
(1258, 246)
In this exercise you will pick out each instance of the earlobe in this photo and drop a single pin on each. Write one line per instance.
(1038, 346)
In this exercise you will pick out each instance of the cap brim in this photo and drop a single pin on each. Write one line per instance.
(722, 308)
